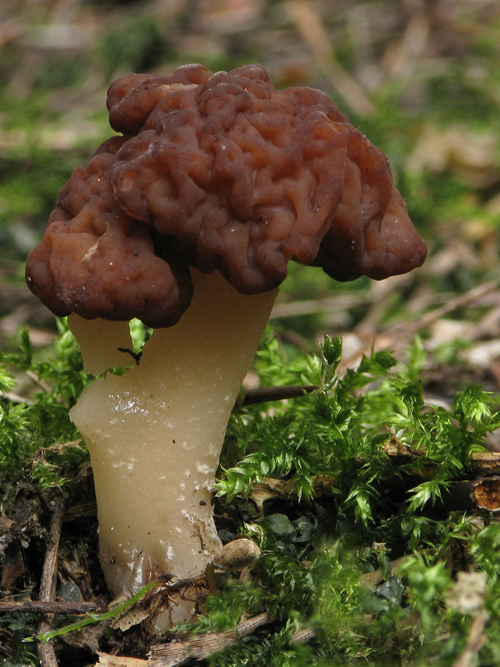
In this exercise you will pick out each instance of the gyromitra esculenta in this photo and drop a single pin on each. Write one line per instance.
(187, 220)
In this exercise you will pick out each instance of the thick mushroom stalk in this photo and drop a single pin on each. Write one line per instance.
(155, 434)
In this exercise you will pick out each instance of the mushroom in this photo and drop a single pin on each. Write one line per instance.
(187, 220)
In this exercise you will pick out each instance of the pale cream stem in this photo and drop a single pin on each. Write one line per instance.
(155, 434)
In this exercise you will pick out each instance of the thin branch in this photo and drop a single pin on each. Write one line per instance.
(475, 642)
(46, 652)
(303, 636)
(15, 398)
(310, 27)
(481, 494)
(48, 607)
(264, 394)
(197, 648)
(402, 333)
(107, 660)
(328, 304)
(202, 646)
(454, 304)
(41, 383)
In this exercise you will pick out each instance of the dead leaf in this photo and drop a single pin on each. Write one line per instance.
(271, 488)
(129, 619)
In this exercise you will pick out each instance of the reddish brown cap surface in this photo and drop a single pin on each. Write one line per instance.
(220, 172)
(97, 261)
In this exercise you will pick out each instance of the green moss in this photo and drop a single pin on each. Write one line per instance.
(317, 550)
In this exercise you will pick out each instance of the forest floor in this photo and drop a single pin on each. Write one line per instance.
(422, 81)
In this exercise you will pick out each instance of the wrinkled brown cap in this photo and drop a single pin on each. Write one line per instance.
(218, 171)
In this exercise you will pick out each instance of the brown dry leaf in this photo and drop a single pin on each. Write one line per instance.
(456, 253)
(399, 336)
(271, 488)
(398, 451)
(483, 354)
(372, 579)
(473, 154)
(445, 331)
(129, 619)
(267, 490)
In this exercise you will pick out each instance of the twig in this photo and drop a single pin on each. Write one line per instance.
(175, 654)
(198, 648)
(84, 510)
(106, 660)
(41, 383)
(488, 324)
(458, 302)
(401, 333)
(49, 607)
(475, 642)
(46, 652)
(482, 494)
(485, 463)
(303, 636)
(328, 304)
(15, 398)
(264, 394)
(308, 24)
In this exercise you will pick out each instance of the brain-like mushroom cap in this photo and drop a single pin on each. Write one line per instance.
(218, 171)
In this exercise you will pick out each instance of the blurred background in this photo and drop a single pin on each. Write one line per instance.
(421, 78)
